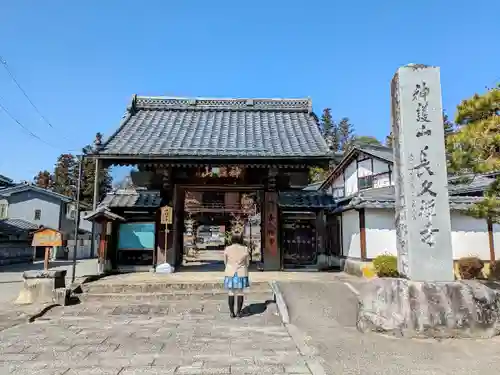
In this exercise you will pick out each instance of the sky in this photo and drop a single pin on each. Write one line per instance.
(81, 62)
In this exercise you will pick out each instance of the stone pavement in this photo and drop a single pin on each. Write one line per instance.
(326, 313)
(182, 337)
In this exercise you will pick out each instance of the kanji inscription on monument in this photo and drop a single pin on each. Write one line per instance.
(423, 226)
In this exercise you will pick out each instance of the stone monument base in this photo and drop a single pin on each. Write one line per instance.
(405, 308)
(43, 287)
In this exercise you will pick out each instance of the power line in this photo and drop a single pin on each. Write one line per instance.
(25, 128)
(13, 77)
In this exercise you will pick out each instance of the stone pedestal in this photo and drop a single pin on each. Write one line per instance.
(404, 308)
(43, 287)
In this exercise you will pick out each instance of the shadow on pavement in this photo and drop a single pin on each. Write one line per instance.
(255, 308)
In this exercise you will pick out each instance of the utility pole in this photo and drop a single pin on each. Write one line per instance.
(77, 217)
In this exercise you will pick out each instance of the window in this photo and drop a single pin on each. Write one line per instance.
(338, 192)
(4, 205)
(365, 182)
(70, 211)
(38, 214)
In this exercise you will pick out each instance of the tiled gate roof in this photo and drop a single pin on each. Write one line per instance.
(218, 128)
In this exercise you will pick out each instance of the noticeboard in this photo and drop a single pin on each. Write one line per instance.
(47, 237)
(166, 215)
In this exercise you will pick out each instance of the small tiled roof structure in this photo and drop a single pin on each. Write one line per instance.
(103, 212)
(305, 200)
(132, 199)
(16, 226)
(169, 128)
(385, 198)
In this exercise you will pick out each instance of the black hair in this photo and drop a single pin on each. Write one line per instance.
(236, 238)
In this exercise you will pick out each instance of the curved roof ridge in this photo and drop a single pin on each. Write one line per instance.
(172, 102)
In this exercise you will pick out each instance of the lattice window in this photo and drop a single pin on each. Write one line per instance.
(4, 207)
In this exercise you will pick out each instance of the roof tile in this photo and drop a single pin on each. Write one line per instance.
(257, 128)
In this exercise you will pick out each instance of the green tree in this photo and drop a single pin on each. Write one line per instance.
(330, 130)
(44, 179)
(346, 134)
(366, 140)
(449, 126)
(87, 183)
(475, 146)
(64, 172)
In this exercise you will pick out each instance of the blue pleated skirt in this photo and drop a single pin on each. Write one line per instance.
(236, 282)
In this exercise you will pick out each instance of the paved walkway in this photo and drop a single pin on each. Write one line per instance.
(185, 337)
(326, 312)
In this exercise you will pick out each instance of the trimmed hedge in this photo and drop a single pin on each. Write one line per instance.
(386, 266)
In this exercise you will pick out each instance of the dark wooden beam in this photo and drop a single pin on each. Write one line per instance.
(362, 233)
(491, 240)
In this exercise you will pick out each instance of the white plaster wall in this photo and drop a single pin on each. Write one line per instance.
(350, 234)
(380, 232)
(365, 168)
(382, 180)
(469, 235)
(380, 166)
(339, 181)
(351, 179)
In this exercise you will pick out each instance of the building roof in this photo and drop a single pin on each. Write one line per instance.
(379, 152)
(132, 199)
(16, 226)
(469, 185)
(385, 198)
(165, 127)
(305, 199)
(27, 187)
(314, 186)
(6, 180)
(103, 212)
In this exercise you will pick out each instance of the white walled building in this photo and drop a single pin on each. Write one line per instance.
(363, 184)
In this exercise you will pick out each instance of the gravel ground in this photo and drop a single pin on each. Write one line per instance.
(326, 312)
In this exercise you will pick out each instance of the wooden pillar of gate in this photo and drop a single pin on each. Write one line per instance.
(272, 256)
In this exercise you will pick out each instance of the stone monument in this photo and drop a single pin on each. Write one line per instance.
(423, 226)
(425, 301)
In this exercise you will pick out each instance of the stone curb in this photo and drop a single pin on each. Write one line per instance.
(280, 302)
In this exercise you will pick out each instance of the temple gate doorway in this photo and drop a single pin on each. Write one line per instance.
(211, 215)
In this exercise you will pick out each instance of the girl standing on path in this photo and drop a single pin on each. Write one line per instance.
(236, 260)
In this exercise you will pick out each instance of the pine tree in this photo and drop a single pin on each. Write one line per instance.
(346, 134)
(330, 130)
(64, 172)
(449, 126)
(475, 146)
(44, 179)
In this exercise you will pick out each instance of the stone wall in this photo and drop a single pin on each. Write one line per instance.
(15, 252)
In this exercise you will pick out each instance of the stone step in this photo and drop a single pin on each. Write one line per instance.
(177, 296)
(205, 287)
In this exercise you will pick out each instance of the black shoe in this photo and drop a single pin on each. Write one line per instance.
(230, 301)
(239, 306)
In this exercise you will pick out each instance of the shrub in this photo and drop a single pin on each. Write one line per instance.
(386, 266)
(495, 270)
(470, 268)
